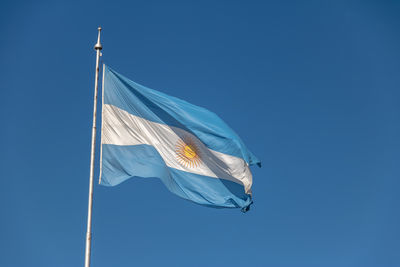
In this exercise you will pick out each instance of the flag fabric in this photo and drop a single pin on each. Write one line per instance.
(146, 133)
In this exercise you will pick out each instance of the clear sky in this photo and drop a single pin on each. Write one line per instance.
(312, 87)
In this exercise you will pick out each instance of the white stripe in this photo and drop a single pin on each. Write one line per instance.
(122, 128)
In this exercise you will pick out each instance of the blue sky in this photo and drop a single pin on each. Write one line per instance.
(312, 87)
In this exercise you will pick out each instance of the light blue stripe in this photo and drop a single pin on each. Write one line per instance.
(159, 107)
(120, 163)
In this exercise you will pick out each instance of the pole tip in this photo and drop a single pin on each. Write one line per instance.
(98, 45)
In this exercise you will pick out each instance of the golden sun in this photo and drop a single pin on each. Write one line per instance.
(187, 152)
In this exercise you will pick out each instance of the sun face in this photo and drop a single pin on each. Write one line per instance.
(187, 152)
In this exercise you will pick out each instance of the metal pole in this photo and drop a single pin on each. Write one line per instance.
(97, 47)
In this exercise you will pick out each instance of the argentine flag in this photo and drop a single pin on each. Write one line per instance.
(146, 133)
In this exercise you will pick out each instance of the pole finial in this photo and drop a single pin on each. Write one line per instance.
(98, 45)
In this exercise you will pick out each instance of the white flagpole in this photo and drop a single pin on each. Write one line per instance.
(97, 47)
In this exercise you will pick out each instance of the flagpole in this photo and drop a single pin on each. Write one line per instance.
(97, 47)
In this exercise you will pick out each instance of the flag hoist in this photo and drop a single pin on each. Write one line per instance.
(97, 47)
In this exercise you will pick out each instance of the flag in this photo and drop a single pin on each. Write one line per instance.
(146, 133)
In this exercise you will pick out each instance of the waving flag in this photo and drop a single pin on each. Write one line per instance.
(146, 133)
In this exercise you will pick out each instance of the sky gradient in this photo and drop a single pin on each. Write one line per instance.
(312, 88)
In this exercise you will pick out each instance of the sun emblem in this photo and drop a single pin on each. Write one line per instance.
(188, 152)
